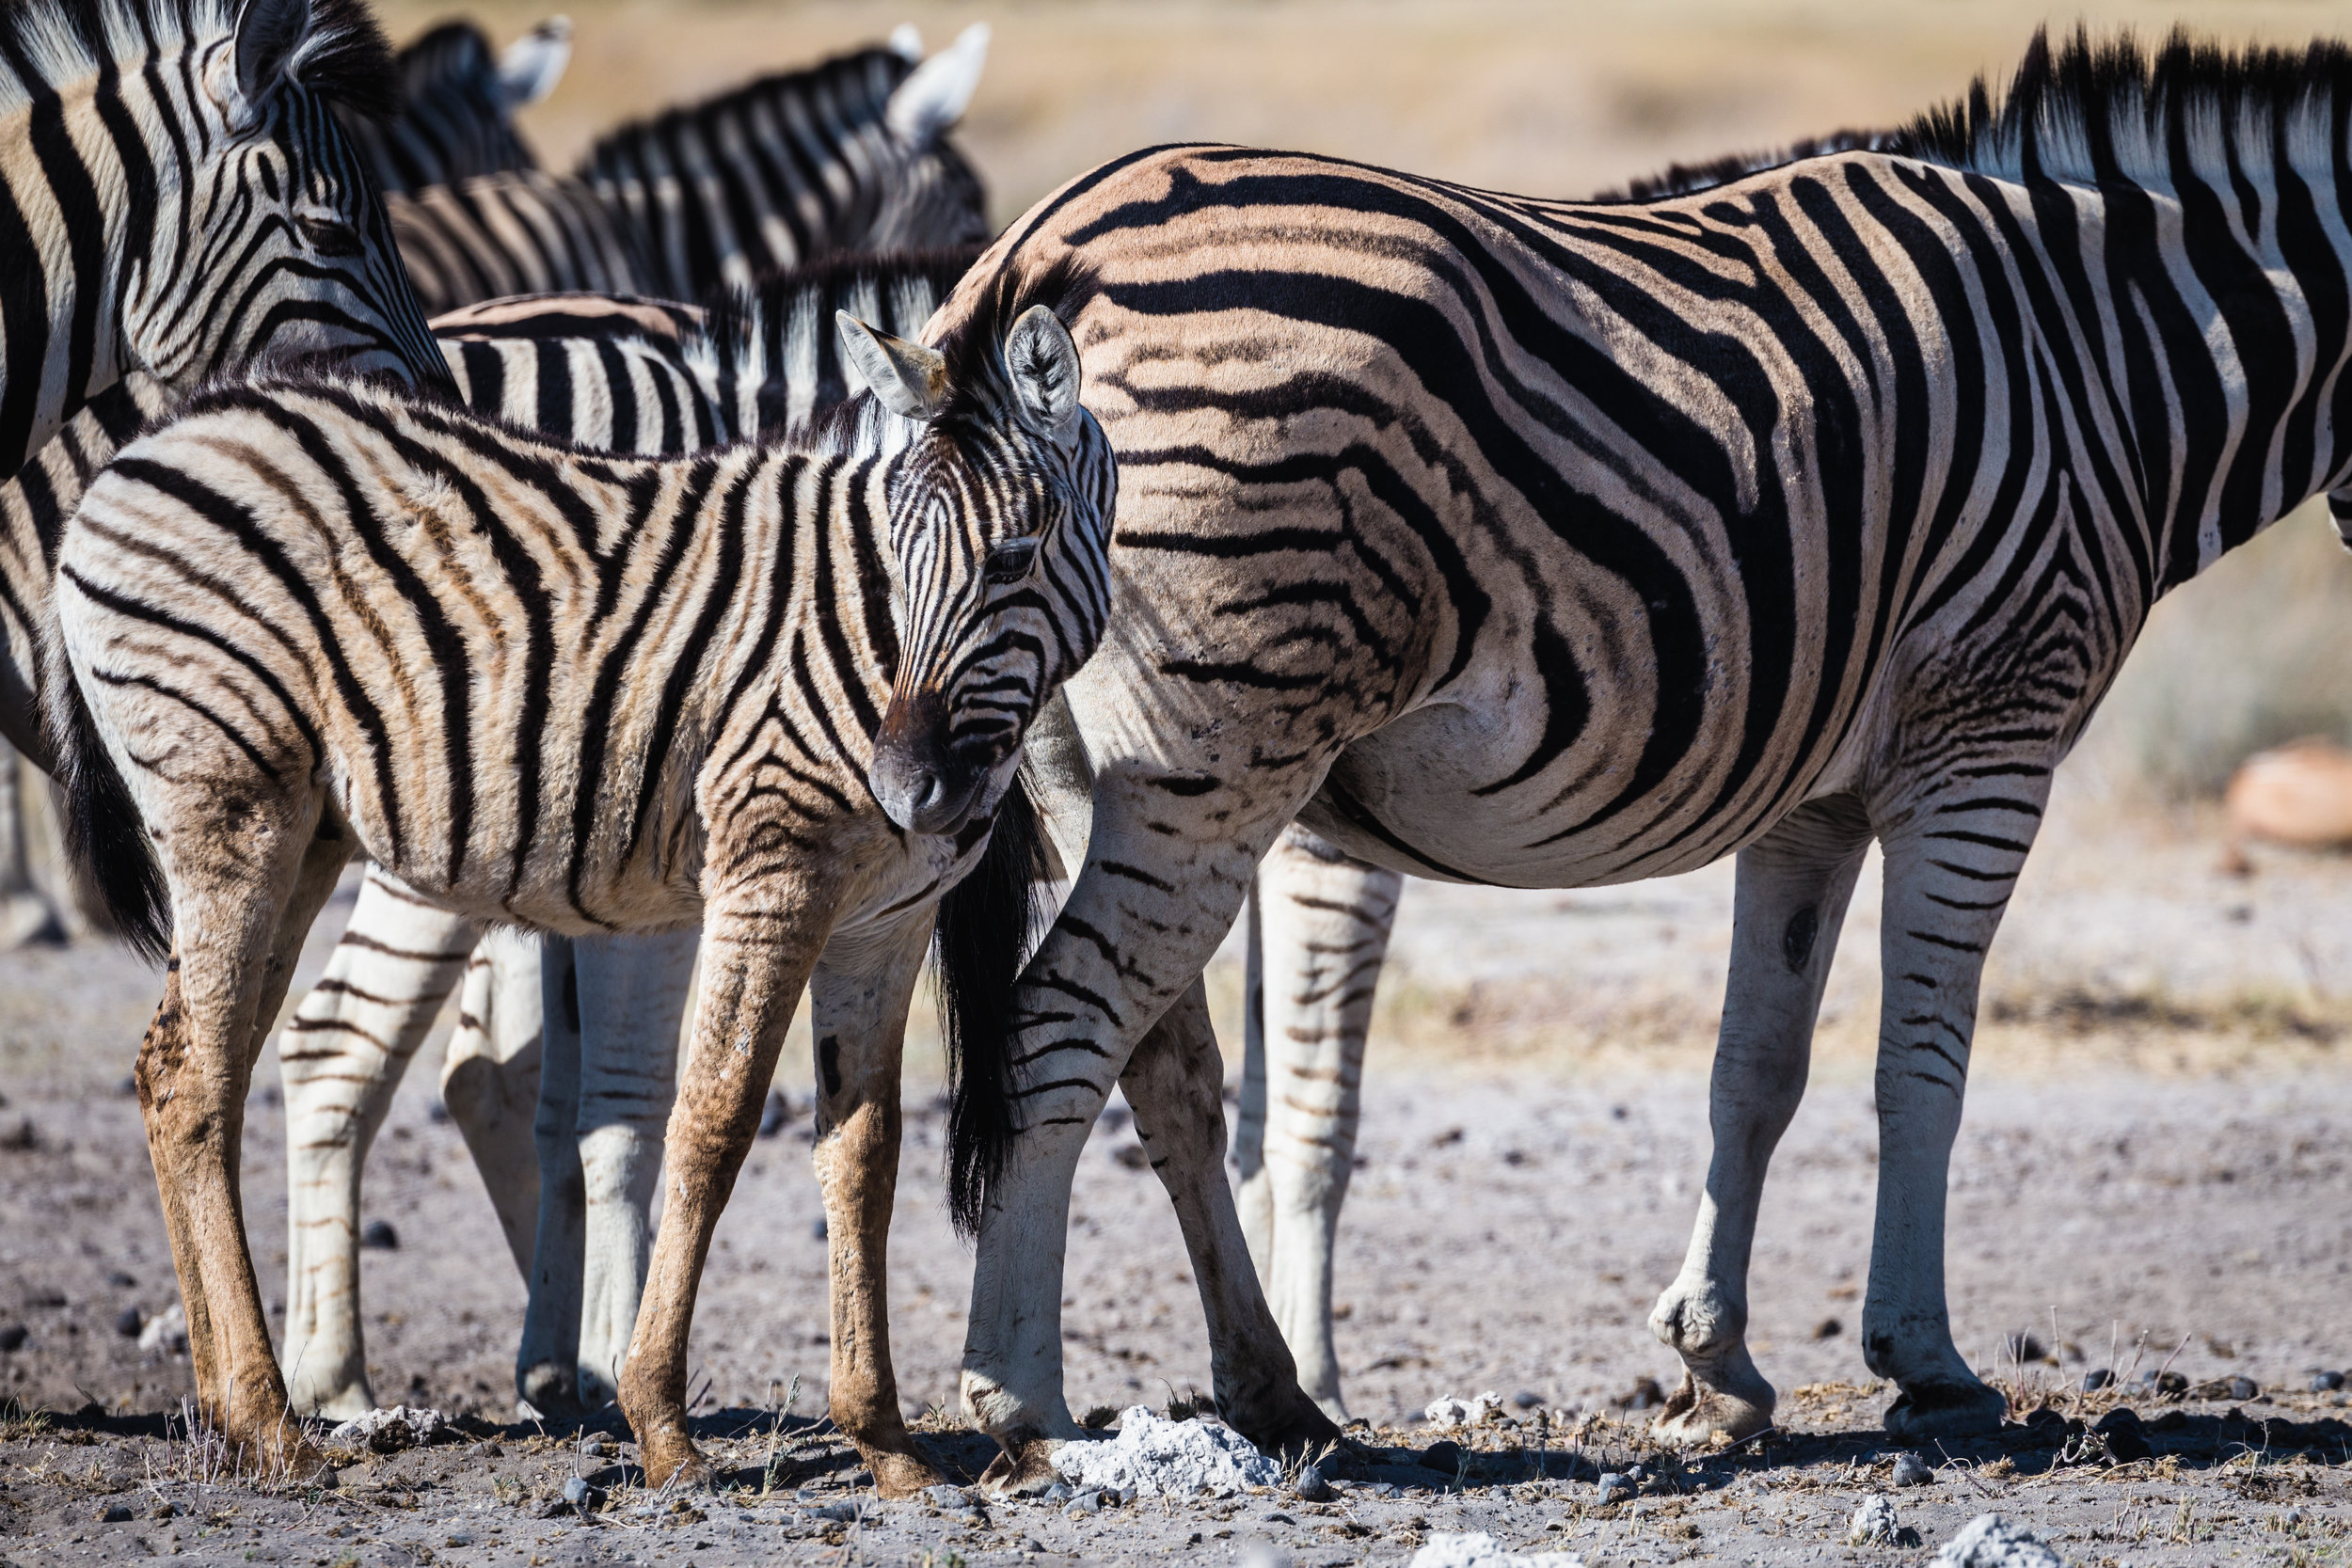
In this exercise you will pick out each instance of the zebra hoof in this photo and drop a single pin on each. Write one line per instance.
(1701, 1414)
(903, 1474)
(1024, 1468)
(548, 1389)
(1293, 1428)
(1930, 1410)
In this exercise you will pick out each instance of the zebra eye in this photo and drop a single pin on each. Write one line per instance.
(1008, 559)
(328, 236)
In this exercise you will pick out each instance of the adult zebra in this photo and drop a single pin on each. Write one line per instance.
(852, 154)
(1547, 543)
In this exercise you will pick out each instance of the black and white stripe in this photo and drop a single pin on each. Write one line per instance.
(457, 105)
(517, 232)
(1547, 543)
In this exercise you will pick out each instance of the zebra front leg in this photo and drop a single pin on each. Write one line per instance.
(28, 918)
(1323, 923)
(632, 998)
(1949, 871)
(340, 1057)
(546, 1362)
(857, 1018)
(490, 1081)
(1793, 886)
(1143, 919)
(756, 957)
(1254, 1190)
(1174, 1081)
(241, 904)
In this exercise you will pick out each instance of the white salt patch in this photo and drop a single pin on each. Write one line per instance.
(390, 1431)
(1874, 1522)
(1991, 1541)
(1479, 1551)
(168, 1333)
(1153, 1457)
(1455, 1413)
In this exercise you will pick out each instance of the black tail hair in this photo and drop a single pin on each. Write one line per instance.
(103, 830)
(986, 923)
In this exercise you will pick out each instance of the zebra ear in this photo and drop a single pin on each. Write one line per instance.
(906, 41)
(530, 67)
(269, 32)
(910, 380)
(935, 93)
(1045, 365)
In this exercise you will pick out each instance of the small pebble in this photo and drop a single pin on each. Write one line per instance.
(944, 1497)
(118, 1280)
(1828, 1328)
(115, 1513)
(436, 1113)
(128, 1088)
(817, 1229)
(2096, 1378)
(1873, 1523)
(1911, 1470)
(1060, 1492)
(840, 1514)
(2292, 1517)
(1444, 1457)
(1312, 1487)
(2326, 1383)
(1527, 1399)
(1615, 1488)
(129, 1321)
(2125, 1437)
(380, 1235)
(776, 1116)
(581, 1495)
(2244, 1388)
(14, 1337)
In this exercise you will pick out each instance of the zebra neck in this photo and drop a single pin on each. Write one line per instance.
(69, 198)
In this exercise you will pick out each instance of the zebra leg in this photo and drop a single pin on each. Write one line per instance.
(1253, 1189)
(242, 912)
(1793, 887)
(1323, 920)
(757, 953)
(858, 1016)
(632, 997)
(1949, 871)
(546, 1363)
(27, 919)
(1141, 892)
(490, 1081)
(340, 1058)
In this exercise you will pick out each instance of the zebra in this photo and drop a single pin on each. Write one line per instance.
(184, 200)
(457, 105)
(593, 694)
(852, 154)
(1790, 506)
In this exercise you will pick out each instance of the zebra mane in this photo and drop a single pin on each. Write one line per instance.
(978, 383)
(857, 85)
(450, 51)
(743, 314)
(2088, 112)
(47, 44)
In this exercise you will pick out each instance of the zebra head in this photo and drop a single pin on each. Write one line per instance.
(261, 234)
(1000, 517)
(933, 199)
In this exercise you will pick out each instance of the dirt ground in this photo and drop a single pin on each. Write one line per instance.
(2153, 1173)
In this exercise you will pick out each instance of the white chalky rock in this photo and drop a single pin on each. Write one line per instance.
(389, 1431)
(1991, 1541)
(1873, 1522)
(1446, 1412)
(1479, 1551)
(1485, 1407)
(1153, 1457)
(167, 1332)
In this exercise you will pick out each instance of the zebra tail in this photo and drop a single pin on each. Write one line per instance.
(103, 833)
(985, 925)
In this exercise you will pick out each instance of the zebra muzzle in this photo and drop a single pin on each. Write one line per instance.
(924, 786)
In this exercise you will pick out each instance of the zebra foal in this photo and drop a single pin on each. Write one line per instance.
(1787, 507)
(591, 694)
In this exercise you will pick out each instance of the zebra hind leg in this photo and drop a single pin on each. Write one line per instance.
(546, 1361)
(1948, 876)
(1792, 890)
(490, 1081)
(28, 918)
(1324, 923)
(340, 1057)
(633, 992)
(858, 1018)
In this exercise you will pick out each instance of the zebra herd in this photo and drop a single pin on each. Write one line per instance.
(1238, 530)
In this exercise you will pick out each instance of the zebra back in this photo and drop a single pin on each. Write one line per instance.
(849, 154)
(517, 232)
(457, 105)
